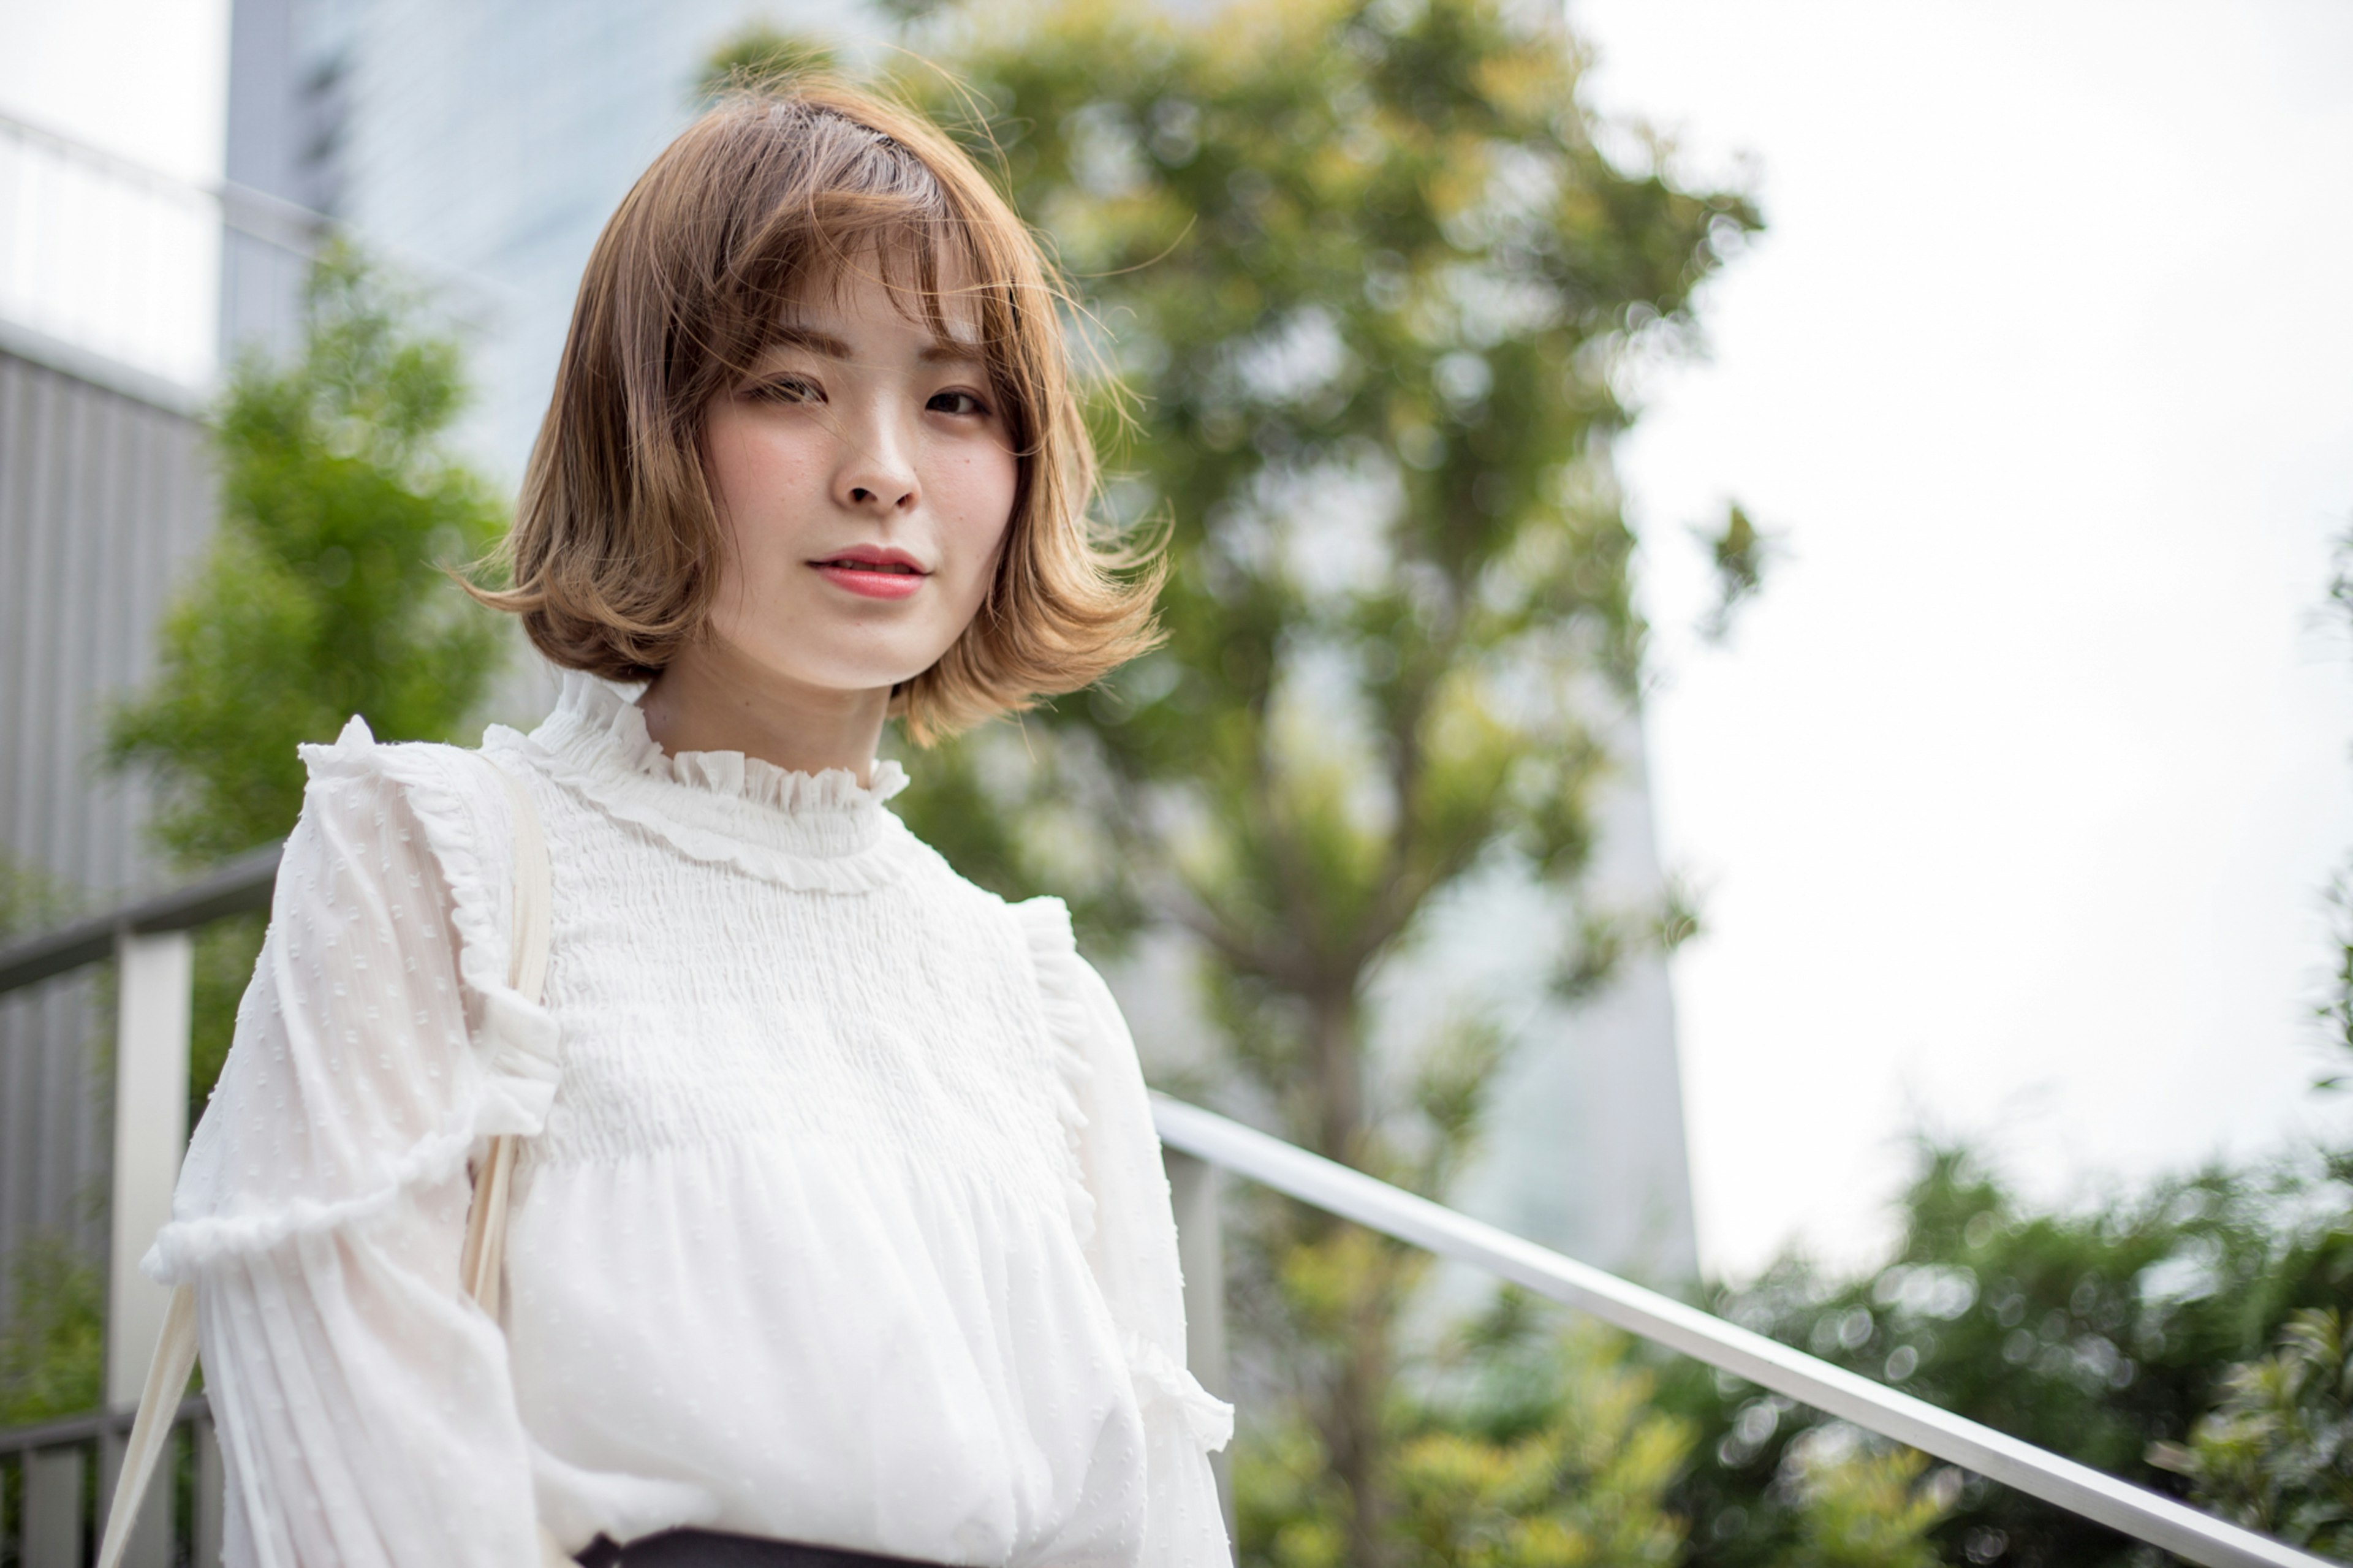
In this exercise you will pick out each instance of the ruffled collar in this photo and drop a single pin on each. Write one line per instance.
(821, 830)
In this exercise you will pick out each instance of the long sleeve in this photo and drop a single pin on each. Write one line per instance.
(1131, 1232)
(365, 1406)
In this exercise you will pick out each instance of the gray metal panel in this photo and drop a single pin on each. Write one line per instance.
(103, 499)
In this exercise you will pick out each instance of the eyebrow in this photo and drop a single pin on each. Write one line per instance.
(830, 347)
(952, 349)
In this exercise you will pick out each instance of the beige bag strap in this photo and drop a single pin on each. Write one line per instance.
(167, 1379)
(481, 1265)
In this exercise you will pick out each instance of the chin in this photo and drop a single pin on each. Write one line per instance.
(852, 678)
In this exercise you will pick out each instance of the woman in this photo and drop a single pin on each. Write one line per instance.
(838, 1219)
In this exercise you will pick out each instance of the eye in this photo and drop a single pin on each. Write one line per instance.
(957, 402)
(785, 389)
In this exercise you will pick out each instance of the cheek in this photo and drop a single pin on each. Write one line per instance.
(986, 486)
(753, 474)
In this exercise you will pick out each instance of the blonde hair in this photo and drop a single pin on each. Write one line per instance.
(615, 550)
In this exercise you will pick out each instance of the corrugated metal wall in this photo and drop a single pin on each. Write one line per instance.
(103, 497)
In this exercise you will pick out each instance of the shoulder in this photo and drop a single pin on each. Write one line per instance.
(1045, 926)
(1038, 927)
(452, 794)
(413, 810)
(1042, 925)
(437, 776)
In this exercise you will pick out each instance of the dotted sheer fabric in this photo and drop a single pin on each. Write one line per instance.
(840, 1217)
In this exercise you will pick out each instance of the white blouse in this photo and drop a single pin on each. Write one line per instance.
(838, 1217)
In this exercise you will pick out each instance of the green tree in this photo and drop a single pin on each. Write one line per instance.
(52, 1347)
(2277, 1455)
(1860, 1507)
(1585, 1482)
(2276, 1451)
(31, 899)
(1367, 282)
(759, 55)
(1543, 1441)
(323, 593)
(2098, 1333)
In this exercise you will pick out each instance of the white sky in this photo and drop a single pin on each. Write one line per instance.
(144, 79)
(2014, 796)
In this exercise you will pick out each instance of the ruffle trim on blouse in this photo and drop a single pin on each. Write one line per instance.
(1061, 991)
(822, 832)
(517, 1046)
(1064, 987)
(1160, 1381)
(187, 1246)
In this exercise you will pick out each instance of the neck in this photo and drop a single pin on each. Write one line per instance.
(713, 699)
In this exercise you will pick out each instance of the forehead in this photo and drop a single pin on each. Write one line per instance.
(936, 297)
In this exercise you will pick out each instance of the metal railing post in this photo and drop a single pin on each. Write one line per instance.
(52, 1536)
(151, 1128)
(154, 973)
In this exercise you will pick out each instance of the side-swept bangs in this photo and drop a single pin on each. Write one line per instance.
(616, 544)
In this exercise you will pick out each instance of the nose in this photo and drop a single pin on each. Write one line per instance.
(875, 472)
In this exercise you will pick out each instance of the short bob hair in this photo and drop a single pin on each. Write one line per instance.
(614, 552)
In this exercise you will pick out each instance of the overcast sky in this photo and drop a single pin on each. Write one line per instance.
(2013, 799)
(144, 79)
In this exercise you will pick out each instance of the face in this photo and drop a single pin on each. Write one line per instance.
(864, 477)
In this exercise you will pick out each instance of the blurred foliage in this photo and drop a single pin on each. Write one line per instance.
(2337, 1009)
(1568, 1464)
(1860, 1506)
(1740, 552)
(31, 899)
(1546, 1444)
(2277, 1454)
(52, 1347)
(761, 56)
(323, 594)
(2100, 1334)
(2187, 1335)
(226, 953)
(1607, 937)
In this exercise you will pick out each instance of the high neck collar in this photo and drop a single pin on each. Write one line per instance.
(799, 827)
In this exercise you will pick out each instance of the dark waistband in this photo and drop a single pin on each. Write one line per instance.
(716, 1549)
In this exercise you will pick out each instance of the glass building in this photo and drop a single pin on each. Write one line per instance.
(478, 145)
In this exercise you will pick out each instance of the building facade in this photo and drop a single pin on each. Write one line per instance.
(103, 500)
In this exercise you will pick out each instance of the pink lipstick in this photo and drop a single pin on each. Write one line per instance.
(873, 571)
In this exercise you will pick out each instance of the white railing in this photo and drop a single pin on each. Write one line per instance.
(150, 942)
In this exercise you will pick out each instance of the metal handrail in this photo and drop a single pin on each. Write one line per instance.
(242, 885)
(1335, 1188)
(112, 1422)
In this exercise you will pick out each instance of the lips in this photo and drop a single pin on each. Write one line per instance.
(872, 572)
